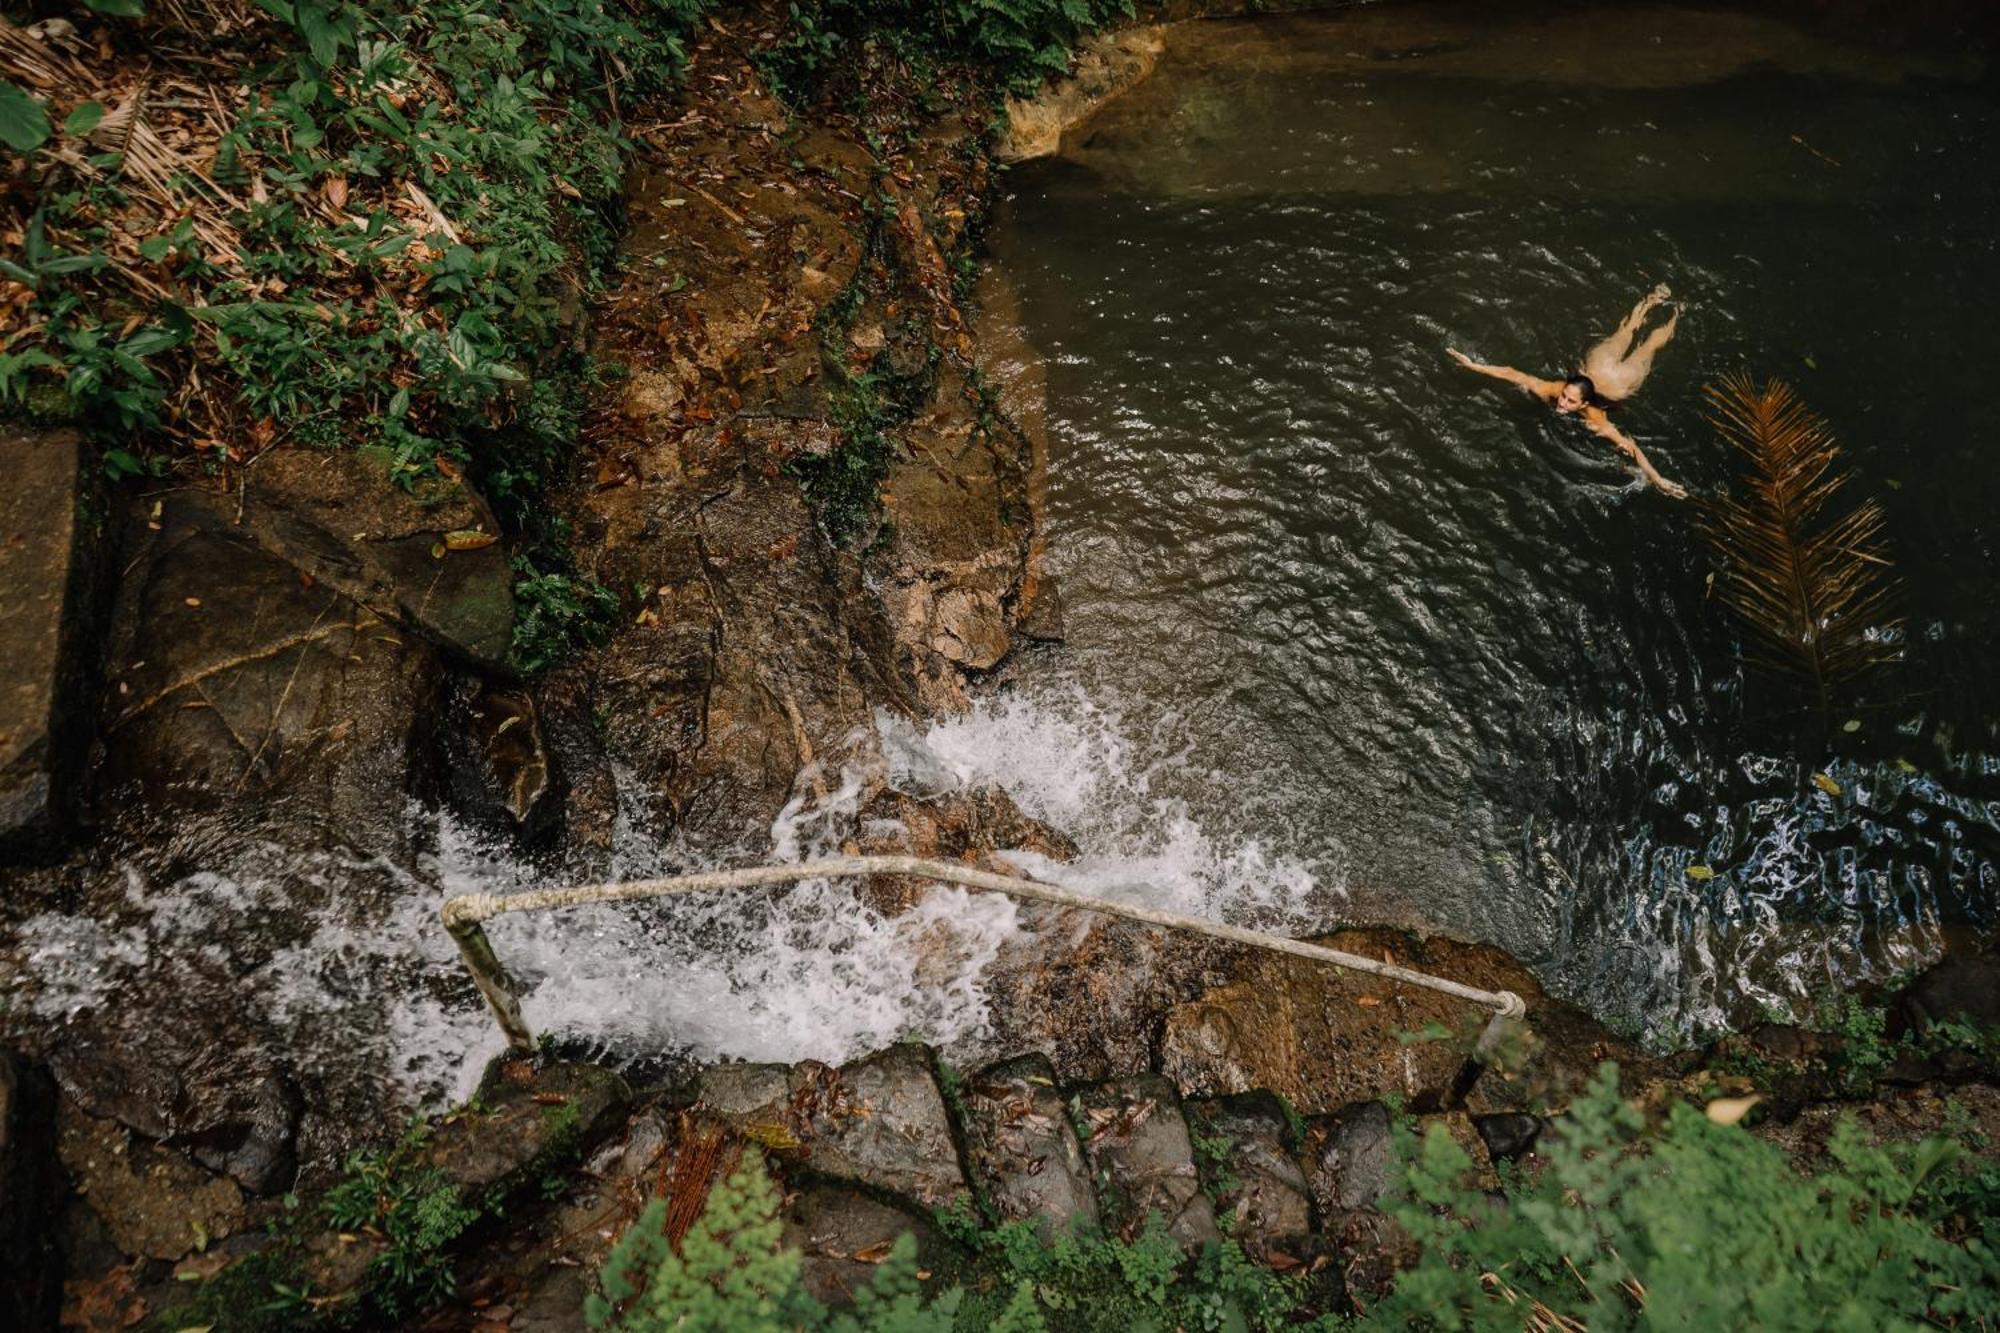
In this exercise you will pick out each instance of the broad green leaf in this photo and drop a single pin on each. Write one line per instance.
(24, 126)
(84, 119)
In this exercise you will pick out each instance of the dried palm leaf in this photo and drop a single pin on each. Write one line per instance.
(1813, 591)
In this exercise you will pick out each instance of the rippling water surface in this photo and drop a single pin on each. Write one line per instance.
(1405, 625)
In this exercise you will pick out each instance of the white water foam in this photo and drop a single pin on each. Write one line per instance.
(370, 981)
(1078, 765)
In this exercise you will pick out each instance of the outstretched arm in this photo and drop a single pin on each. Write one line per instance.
(1601, 425)
(1540, 387)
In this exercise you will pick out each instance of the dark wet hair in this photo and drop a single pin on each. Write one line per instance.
(1585, 383)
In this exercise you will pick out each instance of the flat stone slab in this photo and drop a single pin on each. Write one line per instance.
(45, 638)
(879, 1121)
(1024, 1152)
(1249, 1163)
(1143, 1159)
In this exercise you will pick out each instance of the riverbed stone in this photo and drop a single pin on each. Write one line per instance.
(227, 1106)
(1022, 1148)
(153, 1201)
(842, 1234)
(1250, 1167)
(1143, 1159)
(50, 540)
(524, 1116)
(1349, 1157)
(879, 1121)
(31, 1197)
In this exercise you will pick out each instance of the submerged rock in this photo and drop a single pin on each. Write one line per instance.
(50, 540)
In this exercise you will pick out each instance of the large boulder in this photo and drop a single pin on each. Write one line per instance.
(428, 557)
(50, 540)
(234, 676)
(1143, 1160)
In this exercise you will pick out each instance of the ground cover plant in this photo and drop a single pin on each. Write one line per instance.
(1696, 1224)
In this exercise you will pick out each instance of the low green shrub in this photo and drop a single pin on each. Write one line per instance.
(1695, 1225)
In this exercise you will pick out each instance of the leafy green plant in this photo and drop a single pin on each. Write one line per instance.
(415, 1208)
(1693, 1225)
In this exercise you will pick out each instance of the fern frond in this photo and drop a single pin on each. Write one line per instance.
(1814, 593)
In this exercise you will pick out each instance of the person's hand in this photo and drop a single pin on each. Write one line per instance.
(1673, 488)
(1459, 357)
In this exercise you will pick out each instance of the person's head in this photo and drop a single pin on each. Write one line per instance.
(1577, 393)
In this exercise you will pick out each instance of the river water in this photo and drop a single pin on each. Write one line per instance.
(1430, 651)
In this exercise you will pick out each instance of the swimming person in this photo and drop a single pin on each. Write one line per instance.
(1612, 372)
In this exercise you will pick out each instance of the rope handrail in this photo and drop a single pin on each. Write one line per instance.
(465, 914)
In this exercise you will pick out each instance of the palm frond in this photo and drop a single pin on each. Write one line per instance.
(1814, 593)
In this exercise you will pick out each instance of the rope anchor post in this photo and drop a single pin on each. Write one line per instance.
(495, 986)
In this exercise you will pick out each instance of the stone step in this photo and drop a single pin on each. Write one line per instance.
(1024, 1153)
(1142, 1159)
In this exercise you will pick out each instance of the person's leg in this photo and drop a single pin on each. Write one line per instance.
(1634, 369)
(1610, 364)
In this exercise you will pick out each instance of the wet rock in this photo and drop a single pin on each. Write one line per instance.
(1105, 66)
(1143, 1159)
(842, 1234)
(228, 1108)
(497, 763)
(232, 676)
(1042, 620)
(969, 628)
(1509, 1135)
(153, 1202)
(527, 1116)
(428, 557)
(1325, 1038)
(1022, 1148)
(1960, 989)
(50, 541)
(1249, 1164)
(31, 1197)
(1349, 1157)
(879, 1121)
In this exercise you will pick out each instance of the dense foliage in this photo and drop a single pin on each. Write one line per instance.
(373, 238)
(1020, 41)
(1700, 1225)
